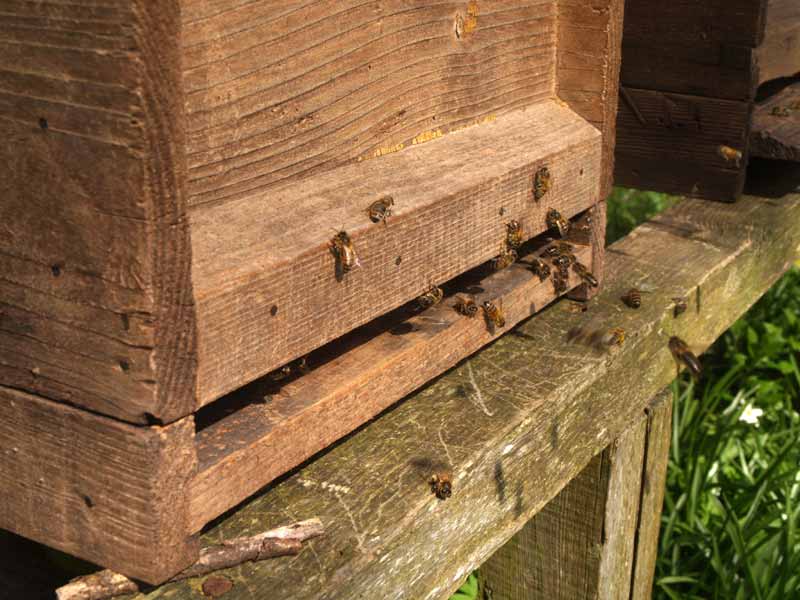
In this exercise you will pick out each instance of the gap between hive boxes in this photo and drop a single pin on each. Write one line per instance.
(263, 430)
(263, 274)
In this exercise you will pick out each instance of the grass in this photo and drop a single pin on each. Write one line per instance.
(731, 520)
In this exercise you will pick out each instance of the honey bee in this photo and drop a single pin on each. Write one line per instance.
(599, 339)
(381, 209)
(344, 251)
(515, 236)
(466, 307)
(781, 111)
(564, 247)
(559, 282)
(632, 298)
(540, 269)
(585, 275)
(681, 304)
(542, 181)
(556, 221)
(296, 367)
(562, 261)
(730, 155)
(682, 354)
(506, 259)
(494, 316)
(551, 251)
(430, 298)
(442, 485)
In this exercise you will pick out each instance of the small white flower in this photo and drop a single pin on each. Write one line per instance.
(751, 415)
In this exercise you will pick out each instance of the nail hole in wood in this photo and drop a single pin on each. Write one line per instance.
(274, 310)
(124, 365)
(398, 260)
(126, 321)
(43, 123)
(502, 211)
(56, 270)
(88, 501)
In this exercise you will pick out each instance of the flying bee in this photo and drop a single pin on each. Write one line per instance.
(682, 354)
(540, 269)
(730, 155)
(442, 485)
(556, 221)
(506, 259)
(344, 251)
(585, 275)
(430, 298)
(680, 306)
(381, 209)
(466, 307)
(515, 236)
(598, 339)
(542, 181)
(494, 316)
(632, 298)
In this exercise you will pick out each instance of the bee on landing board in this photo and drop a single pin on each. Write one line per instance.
(551, 251)
(296, 367)
(540, 269)
(494, 316)
(680, 306)
(466, 307)
(682, 354)
(442, 485)
(542, 181)
(556, 221)
(632, 298)
(344, 252)
(505, 260)
(514, 235)
(430, 298)
(381, 209)
(585, 275)
(559, 282)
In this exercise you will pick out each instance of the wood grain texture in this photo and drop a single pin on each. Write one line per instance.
(654, 480)
(779, 53)
(96, 305)
(776, 126)
(246, 450)
(626, 457)
(105, 491)
(265, 287)
(696, 56)
(514, 423)
(671, 143)
(277, 92)
(588, 57)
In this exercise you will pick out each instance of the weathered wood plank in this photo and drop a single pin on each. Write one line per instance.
(105, 491)
(587, 68)
(275, 94)
(96, 302)
(266, 289)
(626, 456)
(776, 126)
(242, 452)
(514, 423)
(779, 54)
(654, 479)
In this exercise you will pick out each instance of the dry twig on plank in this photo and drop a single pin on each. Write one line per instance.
(282, 541)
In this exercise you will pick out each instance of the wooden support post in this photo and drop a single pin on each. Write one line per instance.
(598, 537)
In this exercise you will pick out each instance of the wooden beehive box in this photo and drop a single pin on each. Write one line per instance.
(173, 174)
(690, 76)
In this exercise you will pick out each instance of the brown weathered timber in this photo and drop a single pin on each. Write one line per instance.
(275, 94)
(96, 305)
(278, 428)
(281, 541)
(266, 289)
(779, 53)
(587, 68)
(105, 491)
(654, 479)
(776, 126)
(695, 56)
(515, 422)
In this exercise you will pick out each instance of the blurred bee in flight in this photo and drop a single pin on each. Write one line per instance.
(598, 339)
(585, 275)
(682, 354)
(505, 260)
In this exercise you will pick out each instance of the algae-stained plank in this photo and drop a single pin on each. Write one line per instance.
(514, 423)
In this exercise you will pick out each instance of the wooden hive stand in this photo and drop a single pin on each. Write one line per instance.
(174, 175)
